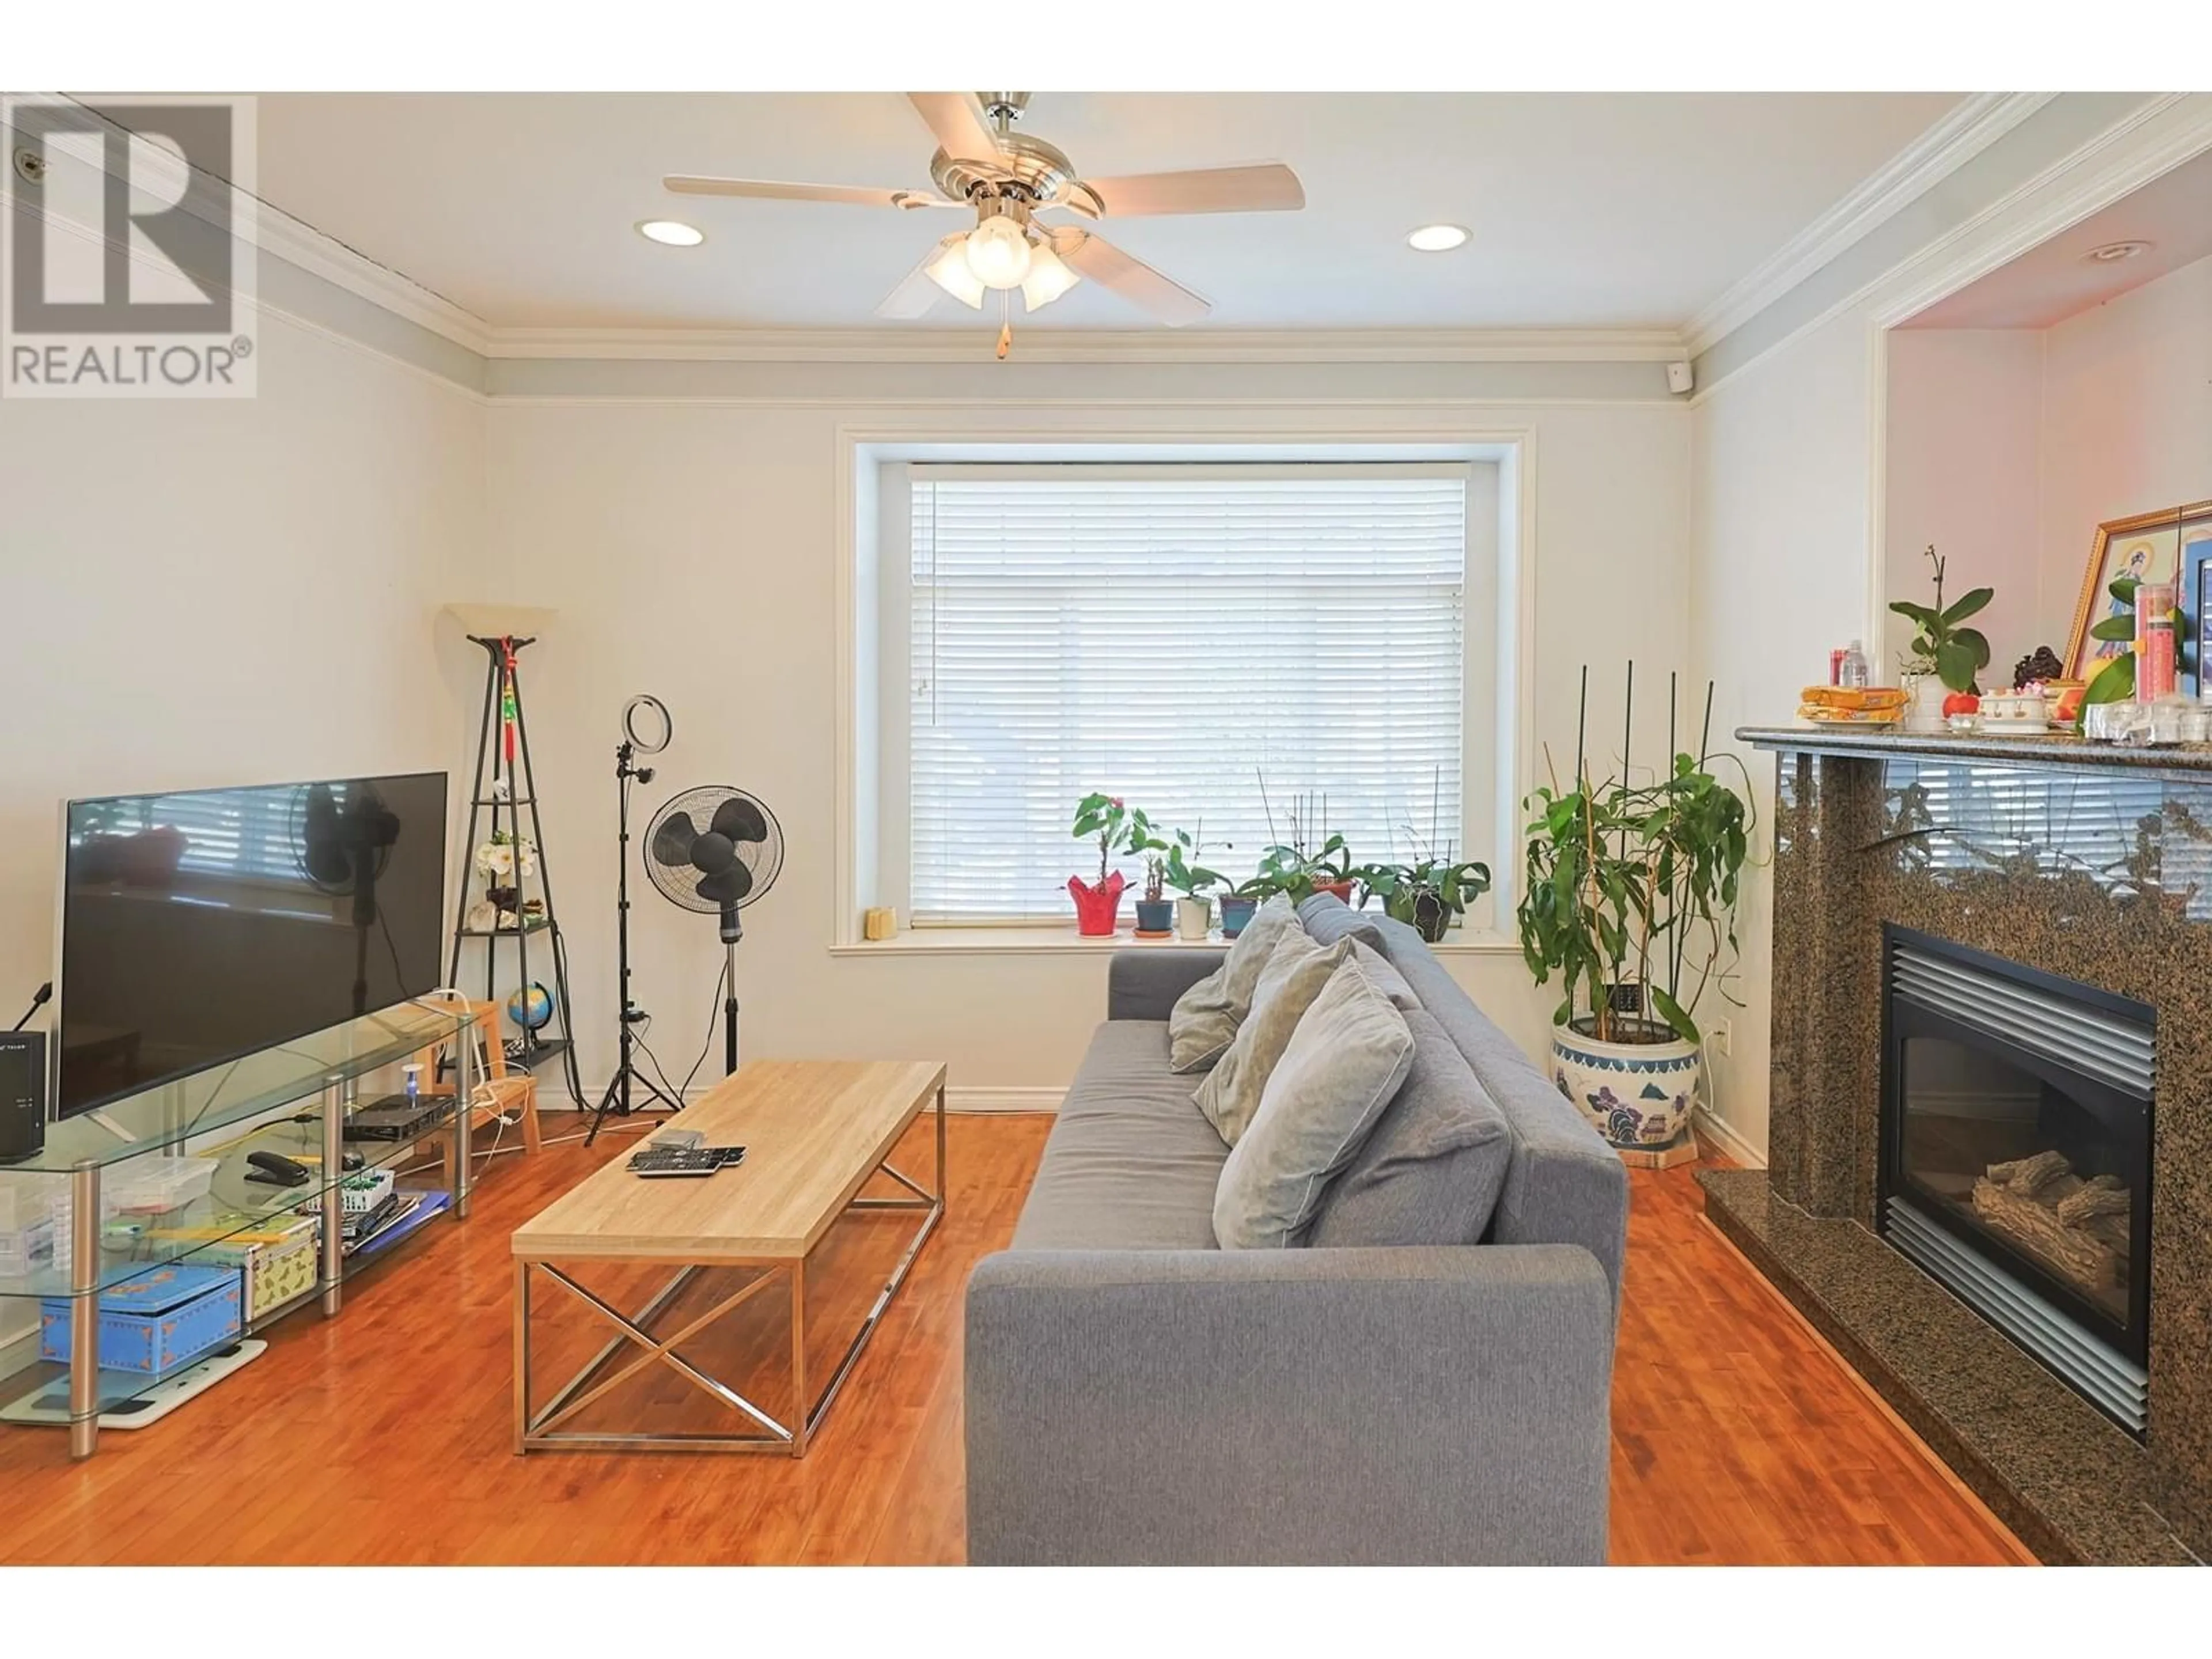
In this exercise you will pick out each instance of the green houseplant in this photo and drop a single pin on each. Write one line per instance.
(1297, 865)
(1238, 903)
(1118, 829)
(1192, 880)
(1428, 893)
(1954, 654)
(1629, 893)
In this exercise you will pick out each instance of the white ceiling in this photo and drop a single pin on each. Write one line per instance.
(2058, 279)
(1589, 210)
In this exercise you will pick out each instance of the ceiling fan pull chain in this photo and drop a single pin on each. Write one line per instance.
(1006, 323)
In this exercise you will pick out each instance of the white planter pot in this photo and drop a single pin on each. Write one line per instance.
(1639, 1096)
(1924, 713)
(1193, 917)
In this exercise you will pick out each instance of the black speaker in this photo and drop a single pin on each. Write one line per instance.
(22, 1095)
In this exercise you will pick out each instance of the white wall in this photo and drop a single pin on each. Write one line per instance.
(211, 593)
(2007, 447)
(1778, 577)
(691, 551)
(1964, 452)
(1787, 557)
(2127, 421)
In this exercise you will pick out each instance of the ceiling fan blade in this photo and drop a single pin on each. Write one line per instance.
(913, 295)
(685, 184)
(1267, 187)
(1094, 257)
(957, 118)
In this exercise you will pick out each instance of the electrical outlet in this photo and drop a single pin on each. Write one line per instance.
(1722, 1037)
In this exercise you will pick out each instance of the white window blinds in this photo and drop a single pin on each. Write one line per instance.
(1172, 635)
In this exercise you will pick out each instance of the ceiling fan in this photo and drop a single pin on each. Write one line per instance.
(1008, 177)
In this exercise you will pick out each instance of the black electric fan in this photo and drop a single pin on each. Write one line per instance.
(715, 850)
(341, 850)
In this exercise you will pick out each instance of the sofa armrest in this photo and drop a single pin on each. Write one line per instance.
(1445, 1404)
(1145, 984)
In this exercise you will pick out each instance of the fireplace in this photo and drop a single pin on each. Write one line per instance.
(2016, 1155)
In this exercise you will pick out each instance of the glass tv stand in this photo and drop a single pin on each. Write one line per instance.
(101, 1181)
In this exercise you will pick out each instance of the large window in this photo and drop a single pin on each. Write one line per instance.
(1176, 636)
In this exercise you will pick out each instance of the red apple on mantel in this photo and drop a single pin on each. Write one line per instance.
(1961, 702)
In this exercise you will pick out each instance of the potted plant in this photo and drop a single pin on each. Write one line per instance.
(1238, 903)
(1944, 658)
(1193, 911)
(1099, 908)
(1154, 915)
(1629, 893)
(1428, 894)
(1298, 867)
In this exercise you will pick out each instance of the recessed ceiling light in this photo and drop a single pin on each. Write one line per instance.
(670, 232)
(1437, 239)
(2115, 250)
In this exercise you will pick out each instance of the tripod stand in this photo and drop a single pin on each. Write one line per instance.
(616, 1099)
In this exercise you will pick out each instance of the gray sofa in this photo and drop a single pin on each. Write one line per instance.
(1136, 1395)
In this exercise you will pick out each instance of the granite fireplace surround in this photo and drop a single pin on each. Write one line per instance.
(2092, 863)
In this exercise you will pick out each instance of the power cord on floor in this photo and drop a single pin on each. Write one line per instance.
(714, 1007)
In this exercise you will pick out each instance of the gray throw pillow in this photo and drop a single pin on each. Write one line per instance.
(1293, 977)
(1204, 1020)
(1385, 979)
(1433, 1169)
(1344, 1064)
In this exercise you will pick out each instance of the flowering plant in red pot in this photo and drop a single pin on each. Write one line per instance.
(1118, 828)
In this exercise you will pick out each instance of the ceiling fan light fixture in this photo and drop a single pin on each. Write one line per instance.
(670, 232)
(1437, 239)
(948, 270)
(1049, 276)
(999, 251)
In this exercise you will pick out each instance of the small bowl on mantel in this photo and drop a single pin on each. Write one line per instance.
(2017, 713)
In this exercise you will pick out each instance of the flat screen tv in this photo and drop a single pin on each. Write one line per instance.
(200, 927)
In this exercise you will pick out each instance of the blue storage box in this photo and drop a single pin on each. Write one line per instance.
(151, 1325)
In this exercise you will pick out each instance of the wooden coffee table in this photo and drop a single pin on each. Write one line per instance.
(814, 1131)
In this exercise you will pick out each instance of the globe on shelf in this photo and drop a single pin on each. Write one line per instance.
(531, 1009)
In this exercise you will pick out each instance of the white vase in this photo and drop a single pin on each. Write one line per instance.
(1639, 1096)
(1924, 713)
(1193, 917)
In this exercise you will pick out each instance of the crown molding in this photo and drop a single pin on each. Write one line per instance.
(2163, 132)
(299, 243)
(1978, 122)
(269, 229)
(893, 345)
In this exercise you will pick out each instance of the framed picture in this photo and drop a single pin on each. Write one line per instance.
(2195, 563)
(2147, 547)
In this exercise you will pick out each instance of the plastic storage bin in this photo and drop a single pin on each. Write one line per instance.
(155, 1186)
(27, 1227)
(153, 1324)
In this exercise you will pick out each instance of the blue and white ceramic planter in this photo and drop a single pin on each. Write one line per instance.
(1639, 1096)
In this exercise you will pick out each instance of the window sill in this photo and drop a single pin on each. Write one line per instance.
(1050, 941)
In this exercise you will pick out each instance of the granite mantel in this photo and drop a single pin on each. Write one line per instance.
(2089, 862)
(2053, 749)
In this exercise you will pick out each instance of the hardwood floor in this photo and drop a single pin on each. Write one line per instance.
(384, 1435)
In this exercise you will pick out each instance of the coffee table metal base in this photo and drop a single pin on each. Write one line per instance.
(540, 1431)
